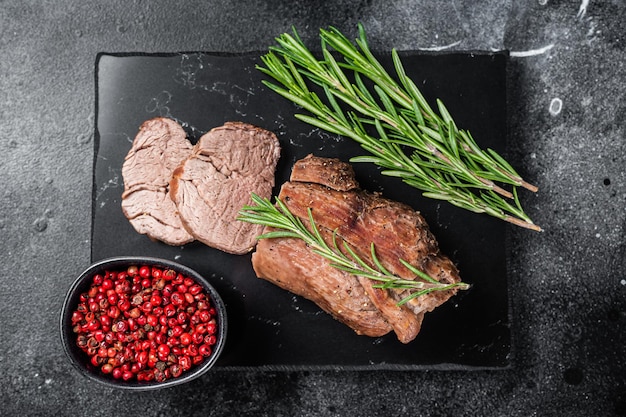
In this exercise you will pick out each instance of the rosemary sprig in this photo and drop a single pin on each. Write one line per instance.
(393, 122)
(285, 224)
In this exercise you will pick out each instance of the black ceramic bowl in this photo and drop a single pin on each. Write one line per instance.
(80, 359)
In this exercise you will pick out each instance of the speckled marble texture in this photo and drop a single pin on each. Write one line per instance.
(567, 108)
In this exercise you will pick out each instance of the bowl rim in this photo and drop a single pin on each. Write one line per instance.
(71, 300)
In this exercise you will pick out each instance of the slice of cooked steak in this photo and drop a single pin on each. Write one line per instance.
(361, 218)
(159, 147)
(210, 187)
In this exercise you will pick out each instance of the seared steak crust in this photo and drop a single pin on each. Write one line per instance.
(159, 147)
(361, 218)
(325, 171)
(294, 267)
(210, 187)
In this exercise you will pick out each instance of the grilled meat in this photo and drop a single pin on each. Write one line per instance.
(328, 188)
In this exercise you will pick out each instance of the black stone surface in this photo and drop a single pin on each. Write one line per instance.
(566, 107)
(273, 329)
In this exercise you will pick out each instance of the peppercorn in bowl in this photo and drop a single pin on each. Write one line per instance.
(142, 323)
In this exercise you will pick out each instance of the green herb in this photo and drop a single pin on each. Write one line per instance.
(393, 122)
(279, 217)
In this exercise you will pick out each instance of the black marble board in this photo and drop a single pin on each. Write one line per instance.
(270, 328)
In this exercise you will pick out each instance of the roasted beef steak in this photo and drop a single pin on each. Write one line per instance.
(227, 164)
(159, 147)
(329, 189)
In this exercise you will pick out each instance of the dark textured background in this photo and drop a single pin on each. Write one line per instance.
(568, 286)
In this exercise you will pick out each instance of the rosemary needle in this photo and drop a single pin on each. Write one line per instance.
(393, 122)
(285, 224)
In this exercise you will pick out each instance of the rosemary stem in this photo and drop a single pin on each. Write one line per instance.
(279, 217)
(445, 162)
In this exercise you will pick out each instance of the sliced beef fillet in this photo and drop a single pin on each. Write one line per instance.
(210, 187)
(159, 147)
(360, 218)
